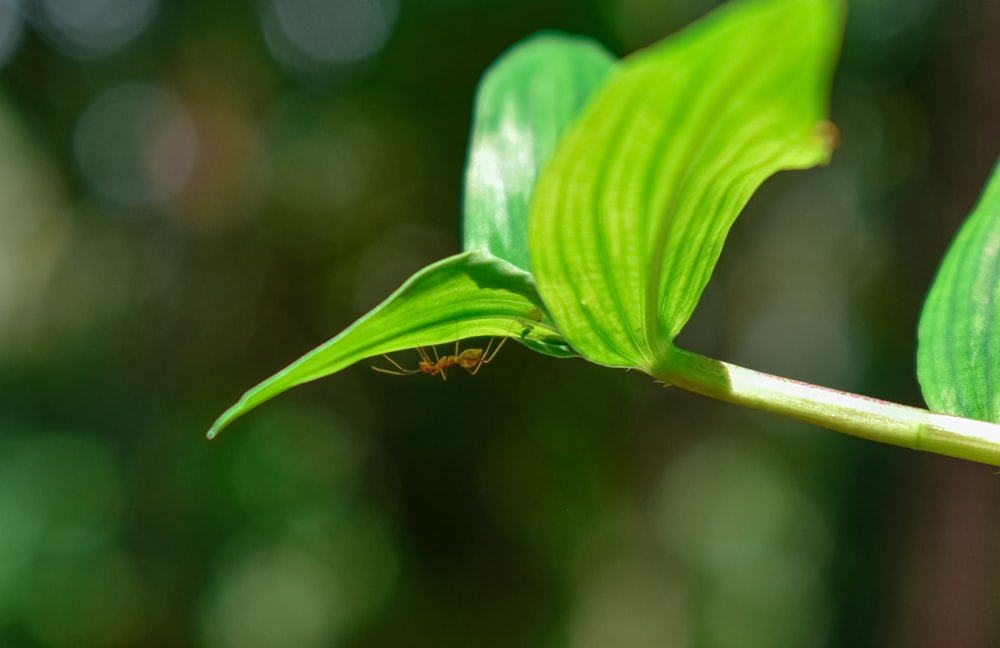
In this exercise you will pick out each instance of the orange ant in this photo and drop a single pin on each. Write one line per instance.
(469, 359)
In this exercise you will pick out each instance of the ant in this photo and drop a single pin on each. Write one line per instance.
(469, 359)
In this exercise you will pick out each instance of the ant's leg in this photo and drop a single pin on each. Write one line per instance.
(394, 363)
(401, 370)
(475, 369)
(487, 356)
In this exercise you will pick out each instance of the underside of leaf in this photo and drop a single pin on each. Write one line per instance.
(467, 295)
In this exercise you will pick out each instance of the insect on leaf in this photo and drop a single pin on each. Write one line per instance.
(467, 295)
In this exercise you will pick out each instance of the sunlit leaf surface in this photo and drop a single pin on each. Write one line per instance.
(630, 215)
(526, 100)
(467, 295)
(958, 351)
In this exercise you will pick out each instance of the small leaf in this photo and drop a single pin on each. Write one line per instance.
(630, 215)
(467, 295)
(524, 103)
(958, 340)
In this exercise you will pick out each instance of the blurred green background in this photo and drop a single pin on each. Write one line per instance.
(193, 193)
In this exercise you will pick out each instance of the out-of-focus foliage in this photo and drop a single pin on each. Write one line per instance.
(193, 192)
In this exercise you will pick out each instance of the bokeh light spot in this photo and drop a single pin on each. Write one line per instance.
(61, 574)
(327, 32)
(88, 28)
(727, 502)
(45, 475)
(136, 145)
(11, 29)
(229, 177)
(734, 517)
(33, 236)
(626, 595)
(274, 598)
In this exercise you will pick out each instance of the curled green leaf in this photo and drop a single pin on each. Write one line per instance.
(526, 100)
(467, 295)
(631, 213)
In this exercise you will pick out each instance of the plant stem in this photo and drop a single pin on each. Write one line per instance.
(868, 418)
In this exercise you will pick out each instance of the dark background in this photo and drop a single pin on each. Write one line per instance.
(194, 193)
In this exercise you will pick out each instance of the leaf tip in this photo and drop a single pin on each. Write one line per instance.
(214, 430)
(223, 421)
(828, 135)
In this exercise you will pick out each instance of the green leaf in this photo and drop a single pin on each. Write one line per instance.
(467, 295)
(958, 339)
(526, 100)
(630, 215)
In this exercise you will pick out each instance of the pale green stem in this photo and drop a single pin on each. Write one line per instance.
(869, 418)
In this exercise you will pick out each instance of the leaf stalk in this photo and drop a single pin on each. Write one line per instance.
(861, 416)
